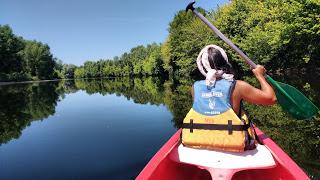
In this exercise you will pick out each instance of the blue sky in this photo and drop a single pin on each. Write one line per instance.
(78, 30)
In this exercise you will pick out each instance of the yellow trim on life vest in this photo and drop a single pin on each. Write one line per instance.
(215, 139)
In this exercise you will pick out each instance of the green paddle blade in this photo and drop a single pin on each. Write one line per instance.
(293, 101)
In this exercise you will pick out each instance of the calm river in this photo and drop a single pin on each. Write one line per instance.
(110, 128)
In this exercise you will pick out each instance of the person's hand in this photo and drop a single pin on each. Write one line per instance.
(259, 71)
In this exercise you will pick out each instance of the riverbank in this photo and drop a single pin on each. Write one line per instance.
(48, 80)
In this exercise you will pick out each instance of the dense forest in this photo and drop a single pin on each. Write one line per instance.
(282, 35)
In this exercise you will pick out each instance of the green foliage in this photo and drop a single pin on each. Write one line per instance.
(153, 63)
(23, 60)
(79, 73)
(187, 35)
(140, 61)
(68, 70)
(278, 34)
(11, 63)
(165, 56)
(58, 66)
(39, 60)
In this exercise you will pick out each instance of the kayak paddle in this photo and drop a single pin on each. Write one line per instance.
(290, 99)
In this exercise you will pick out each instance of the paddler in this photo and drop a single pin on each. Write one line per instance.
(217, 104)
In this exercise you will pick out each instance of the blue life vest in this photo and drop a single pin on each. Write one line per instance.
(214, 100)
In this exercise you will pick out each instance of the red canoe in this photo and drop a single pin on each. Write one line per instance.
(164, 166)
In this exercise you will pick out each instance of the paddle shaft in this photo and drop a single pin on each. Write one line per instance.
(224, 38)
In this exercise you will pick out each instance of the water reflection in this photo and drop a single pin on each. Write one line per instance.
(22, 104)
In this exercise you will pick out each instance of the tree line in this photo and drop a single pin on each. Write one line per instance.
(22, 59)
(140, 61)
(282, 35)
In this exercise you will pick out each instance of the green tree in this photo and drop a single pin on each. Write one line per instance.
(153, 64)
(168, 64)
(39, 61)
(279, 34)
(68, 70)
(79, 72)
(58, 66)
(11, 63)
(187, 36)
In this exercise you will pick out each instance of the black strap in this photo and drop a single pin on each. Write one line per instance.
(256, 136)
(229, 127)
(255, 133)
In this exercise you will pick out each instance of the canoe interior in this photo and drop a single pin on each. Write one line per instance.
(169, 169)
(162, 167)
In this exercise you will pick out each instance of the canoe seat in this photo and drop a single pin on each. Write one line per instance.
(223, 165)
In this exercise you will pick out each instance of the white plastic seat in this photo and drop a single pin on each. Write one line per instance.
(223, 165)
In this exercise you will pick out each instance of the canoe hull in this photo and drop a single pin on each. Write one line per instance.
(162, 167)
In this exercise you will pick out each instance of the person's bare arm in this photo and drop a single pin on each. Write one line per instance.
(264, 96)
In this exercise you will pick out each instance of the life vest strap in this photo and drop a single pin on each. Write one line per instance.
(229, 127)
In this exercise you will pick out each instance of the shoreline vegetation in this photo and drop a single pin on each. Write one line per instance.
(26, 82)
(292, 72)
(45, 80)
(279, 35)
